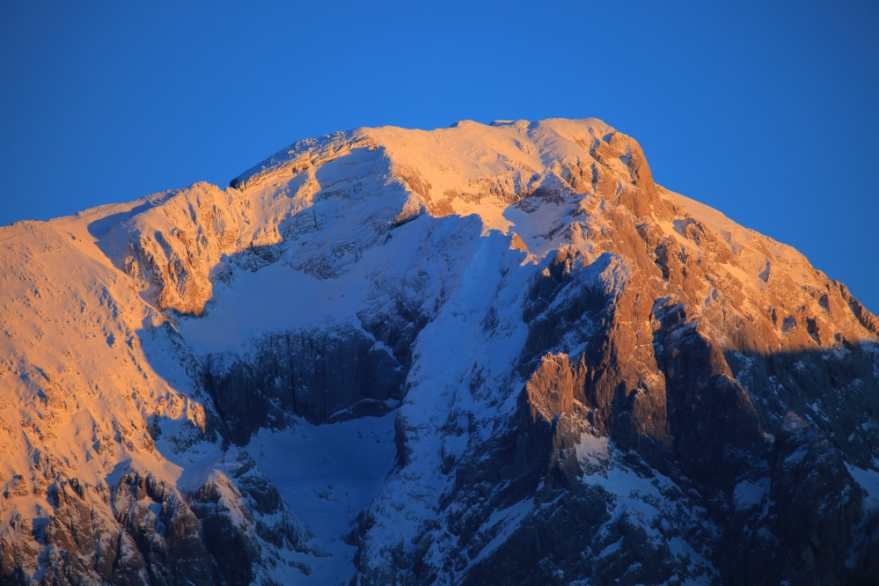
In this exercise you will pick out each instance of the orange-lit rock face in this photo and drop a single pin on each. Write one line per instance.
(722, 271)
(407, 356)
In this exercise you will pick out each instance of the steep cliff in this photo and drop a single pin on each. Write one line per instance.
(477, 355)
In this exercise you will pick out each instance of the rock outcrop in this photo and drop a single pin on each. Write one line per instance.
(478, 355)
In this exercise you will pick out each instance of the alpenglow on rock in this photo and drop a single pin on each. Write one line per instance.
(477, 355)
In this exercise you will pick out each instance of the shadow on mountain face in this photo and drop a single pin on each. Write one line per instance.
(819, 410)
(776, 448)
(773, 446)
(779, 460)
(321, 375)
(834, 390)
(782, 444)
(100, 229)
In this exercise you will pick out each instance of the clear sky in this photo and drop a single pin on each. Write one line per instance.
(767, 111)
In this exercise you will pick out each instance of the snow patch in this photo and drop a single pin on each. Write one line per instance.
(748, 495)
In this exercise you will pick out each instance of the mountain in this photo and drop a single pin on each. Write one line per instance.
(477, 355)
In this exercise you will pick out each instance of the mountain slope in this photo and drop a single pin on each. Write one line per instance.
(483, 354)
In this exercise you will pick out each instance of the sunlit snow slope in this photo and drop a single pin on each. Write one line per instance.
(482, 354)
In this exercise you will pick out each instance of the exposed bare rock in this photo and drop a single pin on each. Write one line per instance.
(476, 355)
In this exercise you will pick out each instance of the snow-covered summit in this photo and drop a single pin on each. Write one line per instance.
(391, 354)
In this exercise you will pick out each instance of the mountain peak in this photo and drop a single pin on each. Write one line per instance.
(447, 356)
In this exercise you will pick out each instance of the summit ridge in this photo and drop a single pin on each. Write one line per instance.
(484, 354)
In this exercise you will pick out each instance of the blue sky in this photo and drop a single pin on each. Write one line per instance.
(767, 111)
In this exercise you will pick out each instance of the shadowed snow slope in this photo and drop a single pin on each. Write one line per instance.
(476, 355)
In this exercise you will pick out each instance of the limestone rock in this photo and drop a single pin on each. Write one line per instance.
(477, 355)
